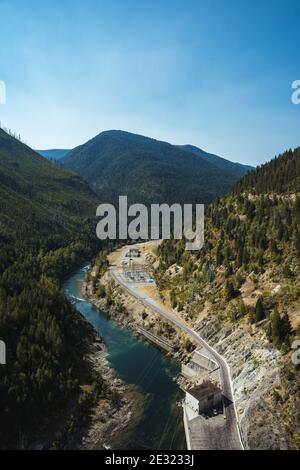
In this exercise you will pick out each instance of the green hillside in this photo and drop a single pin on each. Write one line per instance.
(235, 169)
(36, 196)
(147, 170)
(280, 175)
(248, 273)
(47, 228)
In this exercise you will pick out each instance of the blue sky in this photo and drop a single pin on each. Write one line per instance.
(212, 73)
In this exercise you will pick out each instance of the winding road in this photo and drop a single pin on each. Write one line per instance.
(227, 436)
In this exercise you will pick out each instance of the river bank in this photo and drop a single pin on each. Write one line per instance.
(136, 312)
(104, 405)
(92, 421)
(129, 313)
(253, 363)
(147, 375)
(109, 417)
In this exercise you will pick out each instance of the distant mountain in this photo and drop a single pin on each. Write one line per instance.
(148, 170)
(53, 154)
(236, 169)
(37, 197)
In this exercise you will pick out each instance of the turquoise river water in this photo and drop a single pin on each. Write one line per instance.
(143, 366)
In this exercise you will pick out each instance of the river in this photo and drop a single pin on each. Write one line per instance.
(143, 366)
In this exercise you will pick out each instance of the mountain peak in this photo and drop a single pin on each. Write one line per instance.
(151, 171)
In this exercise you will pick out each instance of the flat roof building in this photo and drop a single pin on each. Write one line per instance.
(203, 397)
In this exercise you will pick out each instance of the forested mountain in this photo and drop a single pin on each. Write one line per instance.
(235, 169)
(46, 229)
(147, 170)
(248, 273)
(280, 175)
(53, 154)
(36, 196)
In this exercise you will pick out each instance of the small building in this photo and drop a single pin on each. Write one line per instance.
(203, 397)
(133, 253)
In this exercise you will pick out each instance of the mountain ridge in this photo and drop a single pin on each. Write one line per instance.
(236, 168)
(41, 196)
(53, 154)
(147, 170)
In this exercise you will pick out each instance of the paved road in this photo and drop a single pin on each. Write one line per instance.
(232, 439)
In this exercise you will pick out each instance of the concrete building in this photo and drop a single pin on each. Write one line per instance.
(203, 397)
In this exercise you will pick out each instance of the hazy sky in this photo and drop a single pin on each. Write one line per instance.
(212, 73)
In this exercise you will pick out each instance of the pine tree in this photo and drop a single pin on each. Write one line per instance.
(297, 244)
(259, 313)
(275, 327)
(240, 257)
(273, 246)
(287, 271)
(280, 328)
(285, 327)
(229, 290)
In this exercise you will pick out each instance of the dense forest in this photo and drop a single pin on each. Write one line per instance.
(150, 171)
(252, 244)
(46, 230)
(280, 175)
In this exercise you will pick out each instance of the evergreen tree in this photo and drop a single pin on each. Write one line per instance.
(273, 246)
(285, 328)
(229, 290)
(259, 313)
(275, 327)
(287, 271)
(219, 255)
(297, 243)
(240, 256)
